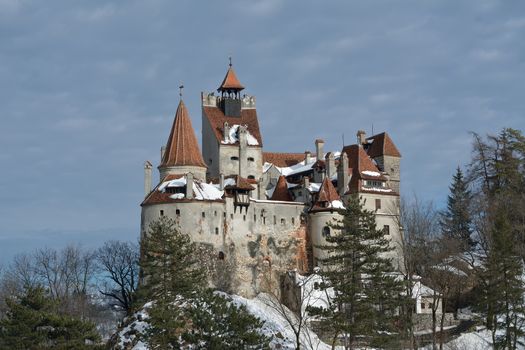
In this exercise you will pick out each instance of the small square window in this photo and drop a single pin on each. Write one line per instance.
(386, 230)
(283, 221)
(203, 214)
(177, 212)
(162, 213)
(216, 230)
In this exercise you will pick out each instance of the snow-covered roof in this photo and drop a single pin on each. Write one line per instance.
(201, 190)
(233, 136)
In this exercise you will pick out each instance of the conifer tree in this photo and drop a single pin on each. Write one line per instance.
(366, 289)
(455, 220)
(217, 323)
(170, 271)
(33, 321)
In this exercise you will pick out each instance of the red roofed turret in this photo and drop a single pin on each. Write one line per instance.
(182, 152)
(230, 82)
(281, 192)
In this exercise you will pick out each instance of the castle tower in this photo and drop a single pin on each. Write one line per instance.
(231, 138)
(382, 149)
(182, 154)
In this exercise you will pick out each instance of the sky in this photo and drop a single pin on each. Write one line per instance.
(88, 91)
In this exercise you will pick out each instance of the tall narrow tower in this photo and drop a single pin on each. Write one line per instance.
(231, 138)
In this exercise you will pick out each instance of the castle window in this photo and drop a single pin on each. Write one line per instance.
(254, 218)
(231, 216)
(275, 220)
(234, 158)
(224, 215)
(326, 231)
(177, 212)
(378, 203)
(203, 214)
(216, 230)
(251, 159)
(215, 213)
(386, 230)
(244, 217)
(162, 213)
(283, 221)
(251, 177)
(293, 221)
(221, 256)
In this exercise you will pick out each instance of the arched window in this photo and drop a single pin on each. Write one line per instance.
(326, 231)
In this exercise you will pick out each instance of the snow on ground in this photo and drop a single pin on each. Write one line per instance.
(275, 323)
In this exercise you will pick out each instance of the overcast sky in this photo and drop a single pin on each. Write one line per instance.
(88, 90)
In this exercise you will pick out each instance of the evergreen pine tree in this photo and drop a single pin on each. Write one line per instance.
(219, 324)
(455, 220)
(366, 289)
(34, 322)
(170, 271)
(502, 297)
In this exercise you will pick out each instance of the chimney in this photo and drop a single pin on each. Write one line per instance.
(307, 157)
(221, 181)
(306, 182)
(226, 131)
(162, 150)
(147, 177)
(342, 174)
(189, 186)
(330, 165)
(319, 144)
(361, 137)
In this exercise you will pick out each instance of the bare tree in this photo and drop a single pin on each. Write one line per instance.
(119, 262)
(297, 292)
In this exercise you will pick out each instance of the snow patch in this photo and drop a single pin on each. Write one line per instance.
(233, 137)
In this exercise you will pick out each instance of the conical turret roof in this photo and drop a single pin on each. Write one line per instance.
(281, 191)
(182, 147)
(230, 81)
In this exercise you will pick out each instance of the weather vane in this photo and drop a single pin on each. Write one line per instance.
(230, 58)
(180, 90)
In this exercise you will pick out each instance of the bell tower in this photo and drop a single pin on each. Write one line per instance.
(230, 90)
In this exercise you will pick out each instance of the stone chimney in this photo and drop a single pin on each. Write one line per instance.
(147, 177)
(307, 157)
(226, 131)
(330, 165)
(189, 186)
(342, 174)
(361, 137)
(221, 181)
(319, 145)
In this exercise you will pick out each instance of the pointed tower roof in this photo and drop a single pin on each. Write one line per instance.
(327, 192)
(382, 144)
(230, 81)
(182, 147)
(281, 191)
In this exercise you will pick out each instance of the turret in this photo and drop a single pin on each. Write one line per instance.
(182, 154)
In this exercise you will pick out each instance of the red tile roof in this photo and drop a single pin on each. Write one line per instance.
(240, 183)
(359, 161)
(382, 144)
(283, 159)
(230, 81)
(327, 192)
(217, 118)
(182, 147)
(281, 192)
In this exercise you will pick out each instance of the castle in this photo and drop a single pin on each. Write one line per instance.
(260, 214)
